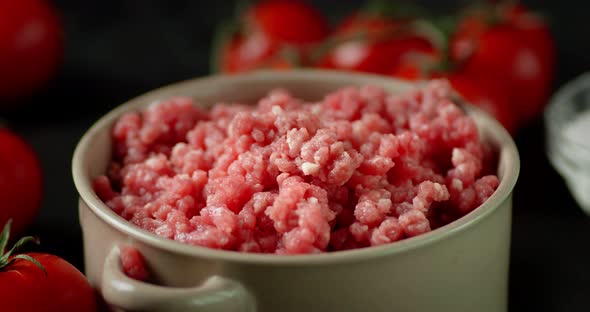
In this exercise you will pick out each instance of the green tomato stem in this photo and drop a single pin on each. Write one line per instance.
(5, 257)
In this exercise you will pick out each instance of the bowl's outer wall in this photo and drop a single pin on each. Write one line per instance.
(466, 271)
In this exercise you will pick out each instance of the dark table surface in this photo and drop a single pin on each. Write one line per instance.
(116, 51)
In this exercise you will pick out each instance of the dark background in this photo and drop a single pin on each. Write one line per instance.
(118, 49)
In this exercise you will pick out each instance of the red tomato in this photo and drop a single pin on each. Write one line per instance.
(374, 57)
(30, 46)
(254, 52)
(40, 282)
(509, 54)
(463, 43)
(378, 51)
(20, 181)
(276, 35)
(479, 21)
(24, 287)
(287, 21)
(518, 49)
(243, 54)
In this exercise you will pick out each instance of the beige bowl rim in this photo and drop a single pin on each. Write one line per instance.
(84, 186)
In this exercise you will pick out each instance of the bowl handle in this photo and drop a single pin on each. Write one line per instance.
(215, 294)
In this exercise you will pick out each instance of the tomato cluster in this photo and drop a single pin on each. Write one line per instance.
(498, 56)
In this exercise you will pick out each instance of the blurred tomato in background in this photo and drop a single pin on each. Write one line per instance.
(510, 44)
(271, 34)
(21, 182)
(498, 55)
(31, 45)
(372, 43)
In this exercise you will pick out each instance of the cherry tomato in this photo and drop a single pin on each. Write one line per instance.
(482, 19)
(24, 287)
(20, 181)
(378, 49)
(275, 34)
(517, 48)
(40, 282)
(287, 21)
(249, 53)
(463, 43)
(255, 52)
(374, 57)
(30, 46)
(507, 53)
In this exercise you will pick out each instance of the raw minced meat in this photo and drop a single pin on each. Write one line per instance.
(359, 168)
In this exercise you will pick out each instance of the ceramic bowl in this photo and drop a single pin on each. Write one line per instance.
(462, 266)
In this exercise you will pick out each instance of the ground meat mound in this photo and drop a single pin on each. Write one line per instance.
(359, 168)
